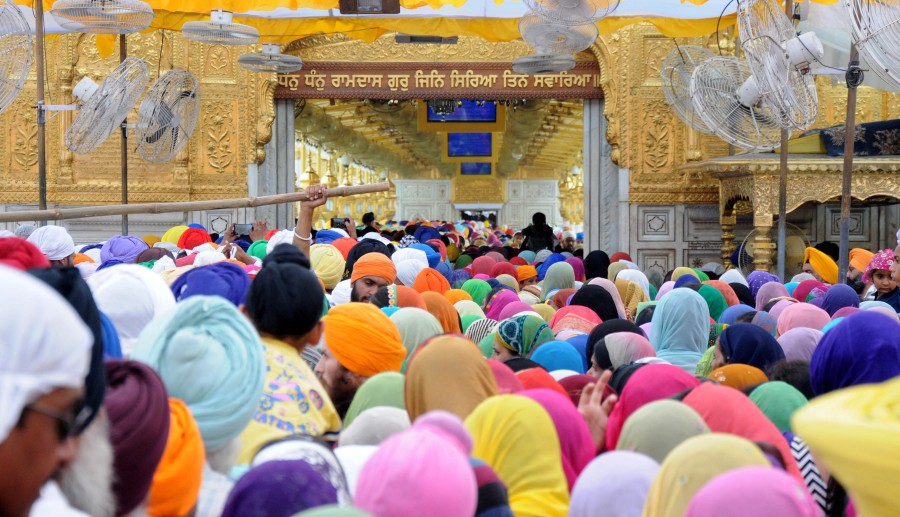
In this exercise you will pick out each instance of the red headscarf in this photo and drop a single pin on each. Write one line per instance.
(21, 254)
(503, 268)
(482, 266)
(507, 382)
(726, 290)
(620, 255)
(518, 261)
(536, 378)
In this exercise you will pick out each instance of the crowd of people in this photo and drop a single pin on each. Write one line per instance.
(438, 369)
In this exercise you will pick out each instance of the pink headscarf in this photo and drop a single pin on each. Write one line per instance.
(610, 287)
(577, 266)
(496, 256)
(483, 265)
(575, 442)
(664, 290)
(650, 383)
(495, 305)
(442, 248)
(503, 268)
(426, 466)
(802, 315)
(780, 306)
(768, 291)
(575, 317)
(766, 490)
(627, 347)
(800, 343)
(507, 382)
(514, 308)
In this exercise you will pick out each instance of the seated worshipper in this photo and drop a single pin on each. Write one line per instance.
(138, 409)
(820, 266)
(519, 336)
(743, 343)
(424, 470)
(360, 341)
(371, 271)
(56, 244)
(878, 272)
(42, 387)
(176, 482)
(618, 349)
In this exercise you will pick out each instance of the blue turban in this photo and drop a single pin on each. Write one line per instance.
(112, 347)
(327, 236)
(444, 269)
(433, 256)
(224, 279)
(210, 356)
(426, 233)
(109, 263)
(245, 245)
(90, 247)
(197, 225)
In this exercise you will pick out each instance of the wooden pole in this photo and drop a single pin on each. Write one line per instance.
(849, 140)
(123, 53)
(41, 114)
(182, 206)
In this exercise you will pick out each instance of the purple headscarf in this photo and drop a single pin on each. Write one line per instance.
(757, 279)
(279, 489)
(224, 279)
(839, 296)
(124, 248)
(767, 292)
(800, 343)
(578, 267)
(861, 349)
(765, 321)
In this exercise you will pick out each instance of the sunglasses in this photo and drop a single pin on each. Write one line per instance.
(66, 423)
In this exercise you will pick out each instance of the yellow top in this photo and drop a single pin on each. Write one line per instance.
(855, 433)
(293, 402)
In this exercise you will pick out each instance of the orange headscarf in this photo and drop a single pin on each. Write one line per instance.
(726, 290)
(443, 310)
(363, 339)
(457, 295)
(738, 376)
(176, 482)
(430, 280)
(409, 297)
(374, 264)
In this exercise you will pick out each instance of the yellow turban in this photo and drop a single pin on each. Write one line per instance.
(173, 234)
(822, 264)
(176, 482)
(855, 431)
(151, 239)
(859, 258)
(452, 252)
(374, 264)
(363, 339)
(328, 264)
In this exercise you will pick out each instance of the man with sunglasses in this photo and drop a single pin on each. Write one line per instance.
(44, 356)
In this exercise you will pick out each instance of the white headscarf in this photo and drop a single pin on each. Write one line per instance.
(637, 277)
(733, 276)
(131, 295)
(44, 345)
(53, 241)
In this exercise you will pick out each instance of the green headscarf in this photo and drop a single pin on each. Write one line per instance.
(333, 510)
(468, 320)
(522, 334)
(643, 305)
(641, 432)
(381, 390)
(487, 345)
(653, 291)
(614, 270)
(559, 276)
(258, 249)
(149, 264)
(704, 367)
(778, 401)
(701, 275)
(463, 261)
(416, 326)
(477, 289)
(714, 300)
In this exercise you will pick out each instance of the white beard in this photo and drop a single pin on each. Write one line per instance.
(87, 482)
(222, 460)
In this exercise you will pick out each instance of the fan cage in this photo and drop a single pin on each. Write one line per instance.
(543, 64)
(105, 110)
(15, 53)
(266, 61)
(675, 73)
(714, 87)
(791, 93)
(168, 116)
(875, 27)
(220, 30)
(556, 38)
(103, 16)
(572, 12)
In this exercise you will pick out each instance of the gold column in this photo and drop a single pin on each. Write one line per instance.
(727, 222)
(763, 247)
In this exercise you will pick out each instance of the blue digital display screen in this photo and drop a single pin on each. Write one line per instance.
(475, 168)
(470, 111)
(469, 144)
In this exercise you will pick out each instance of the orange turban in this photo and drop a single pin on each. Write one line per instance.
(526, 272)
(81, 257)
(859, 258)
(151, 239)
(363, 339)
(457, 295)
(738, 376)
(176, 482)
(822, 264)
(430, 280)
(374, 264)
(344, 245)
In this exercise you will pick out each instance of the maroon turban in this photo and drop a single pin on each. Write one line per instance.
(138, 408)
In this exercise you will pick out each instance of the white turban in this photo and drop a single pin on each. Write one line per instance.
(44, 345)
(341, 292)
(94, 254)
(407, 254)
(282, 237)
(408, 270)
(168, 246)
(53, 241)
(131, 295)
(205, 258)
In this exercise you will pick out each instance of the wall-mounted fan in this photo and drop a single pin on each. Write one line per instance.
(271, 60)
(553, 42)
(675, 72)
(875, 28)
(16, 57)
(168, 116)
(572, 12)
(728, 100)
(103, 16)
(220, 29)
(105, 106)
(795, 247)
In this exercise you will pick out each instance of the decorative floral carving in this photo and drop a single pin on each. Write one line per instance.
(219, 148)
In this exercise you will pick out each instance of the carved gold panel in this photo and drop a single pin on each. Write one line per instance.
(479, 190)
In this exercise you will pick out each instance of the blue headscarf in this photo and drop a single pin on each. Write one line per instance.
(863, 348)
(730, 314)
(223, 279)
(445, 270)
(112, 347)
(210, 356)
(527, 255)
(433, 256)
(579, 342)
(839, 296)
(743, 343)
(790, 286)
(552, 259)
(426, 233)
(680, 330)
(686, 279)
(558, 355)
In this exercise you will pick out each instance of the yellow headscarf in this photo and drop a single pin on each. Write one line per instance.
(545, 311)
(515, 436)
(822, 264)
(173, 234)
(694, 463)
(680, 271)
(855, 431)
(615, 268)
(632, 295)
